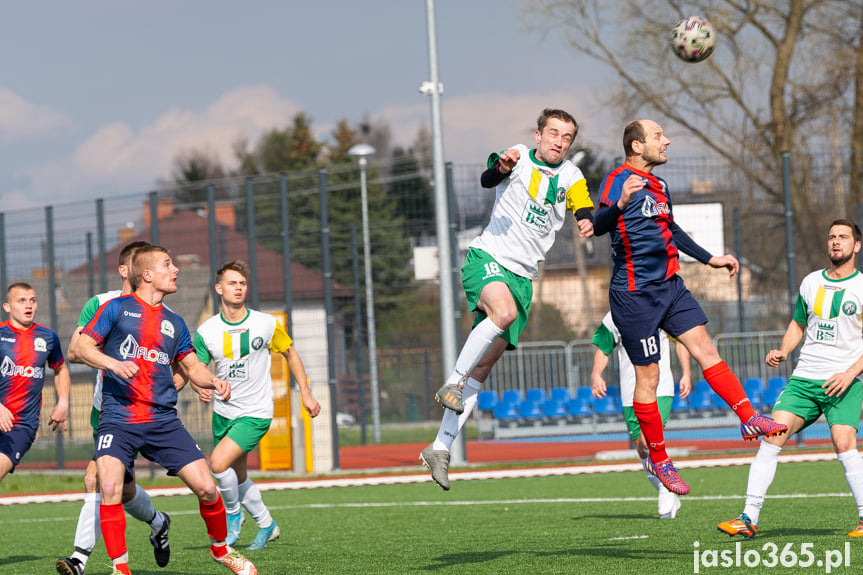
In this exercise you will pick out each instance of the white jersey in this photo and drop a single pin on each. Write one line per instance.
(831, 311)
(627, 371)
(87, 313)
(241, 353)
(529, 209)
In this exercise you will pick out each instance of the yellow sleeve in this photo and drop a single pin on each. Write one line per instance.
(577, 196)
(281, 340)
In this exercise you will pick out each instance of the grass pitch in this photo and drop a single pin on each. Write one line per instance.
(605, 523)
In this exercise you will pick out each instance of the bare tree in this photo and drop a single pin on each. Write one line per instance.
(781, 74)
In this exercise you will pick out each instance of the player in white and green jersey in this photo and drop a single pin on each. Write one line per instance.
(535, 190)
(606, 339)
(239, 341)
(829, 319)
(136, 501)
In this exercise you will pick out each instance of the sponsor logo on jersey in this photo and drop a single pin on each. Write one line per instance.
(130, 349)
(131, 314)
(167, 328)
(825, 332)
(536, 217)
(651, 208)
(257, 343)
(8, 339)
(237, 371)
(39, 344)
(9, 369)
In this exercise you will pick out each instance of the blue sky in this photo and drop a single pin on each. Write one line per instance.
(96, 98)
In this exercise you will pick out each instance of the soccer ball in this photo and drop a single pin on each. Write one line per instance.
(693, 39)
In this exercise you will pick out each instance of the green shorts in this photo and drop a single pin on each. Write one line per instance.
(94, 421)
(805, 398)
(480, 269)
(244, 431)
(664, 404)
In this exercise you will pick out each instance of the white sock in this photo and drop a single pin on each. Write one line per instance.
(254, 504)
(141, 508)
(451, 424)
(654, 480)
(853, 465)
(761, 474)
(88, 531)
(480, 339)
(229, 488)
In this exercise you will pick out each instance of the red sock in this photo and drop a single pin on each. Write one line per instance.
(122, 568)
(727, 386)
(214, 518)
(112, 520)
(650, 422)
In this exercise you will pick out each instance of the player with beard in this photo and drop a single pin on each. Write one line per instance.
(829, 319)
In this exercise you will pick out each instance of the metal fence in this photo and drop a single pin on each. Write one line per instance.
(276, 223)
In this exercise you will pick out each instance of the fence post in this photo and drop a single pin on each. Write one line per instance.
(253, 240)
(286, 251)
(3, 260)
(100, 234)
(358, 330)
(214, 256)
(154, 218)
(330, 312)
(737, 248)
(789, 231)
(52, 304)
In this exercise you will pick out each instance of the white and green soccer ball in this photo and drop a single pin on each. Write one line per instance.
(693, 39)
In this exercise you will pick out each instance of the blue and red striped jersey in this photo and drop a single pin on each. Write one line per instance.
(22, 371)
(642, 249)
(129, 329)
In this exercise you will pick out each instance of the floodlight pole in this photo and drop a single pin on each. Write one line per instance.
(434, 89)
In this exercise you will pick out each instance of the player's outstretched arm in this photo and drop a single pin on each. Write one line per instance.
(90, 354)
(793, 334)
(600, 362)
(685, 369)
(6, 419)
(199, 375)
(295, 364)
(62, 385)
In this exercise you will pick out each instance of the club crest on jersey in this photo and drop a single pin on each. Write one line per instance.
(167, 328)
(257, 343)
(849, 308)
(651, 208)
(130, 349)
(9, 369)
(561, 194)
(39, 344)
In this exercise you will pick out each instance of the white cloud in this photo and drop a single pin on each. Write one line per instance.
(21, 120)
(119, 157)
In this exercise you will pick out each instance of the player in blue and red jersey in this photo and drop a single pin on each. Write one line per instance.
(646, 294)
(26, 347)
(135, 339)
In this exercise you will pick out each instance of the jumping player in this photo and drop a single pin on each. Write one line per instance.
(135, 339)
(645, 292)
(136, 501)
(535, 189)
(239, 341)
(829, 319)
(27, 348)
(606, 339)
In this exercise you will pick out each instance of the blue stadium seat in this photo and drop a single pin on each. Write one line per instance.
(505, 411)
(680, 403)
(584, 393)
(512, 396)
(560, 394)
(701, 386)
(536, 395)
(753, 388)
(701, 401)
(776, 384)
(554, 409)
(529, 410)
(486, 400)
(613, 391)
(578, 407)
(606, 406)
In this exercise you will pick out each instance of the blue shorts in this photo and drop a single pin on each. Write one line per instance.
(15, 443)
(167, 443)
(639, 315)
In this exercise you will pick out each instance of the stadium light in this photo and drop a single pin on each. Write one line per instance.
(362, 152)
